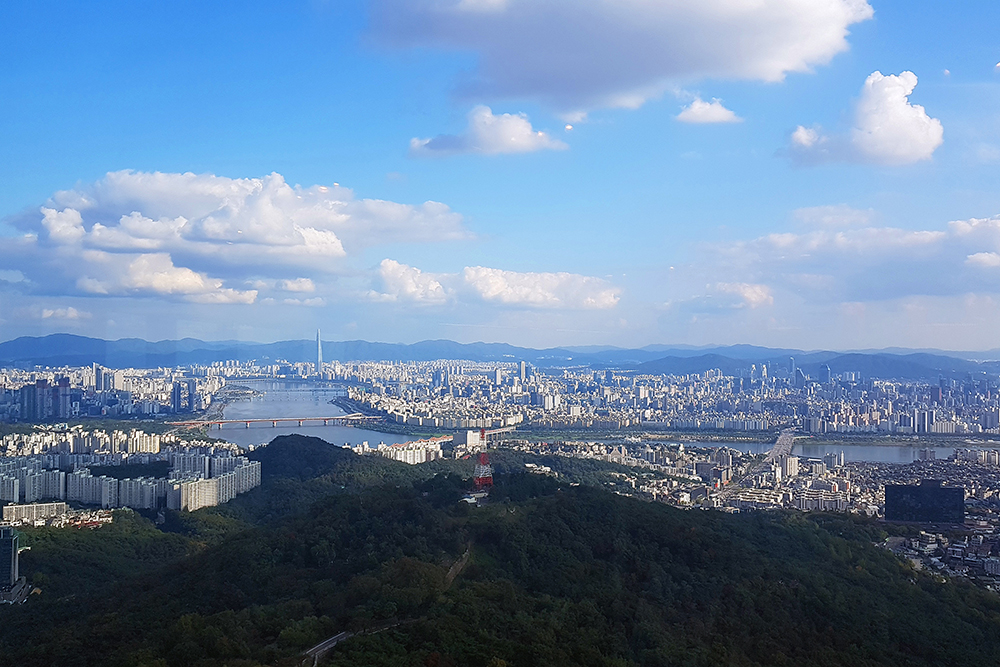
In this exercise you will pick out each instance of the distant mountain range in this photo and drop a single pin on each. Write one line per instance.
(72, 350)
(912, 366)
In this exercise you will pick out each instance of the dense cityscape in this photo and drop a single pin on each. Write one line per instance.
(616, 416)
(731, 443)
(456, 395)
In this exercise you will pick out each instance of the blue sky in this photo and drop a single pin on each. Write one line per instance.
(162, 168)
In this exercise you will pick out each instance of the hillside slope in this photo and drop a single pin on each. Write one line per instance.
(557, 575)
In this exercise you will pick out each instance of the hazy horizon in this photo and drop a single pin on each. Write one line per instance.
(652, 347)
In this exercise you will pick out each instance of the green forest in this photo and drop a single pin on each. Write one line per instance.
(551, 571)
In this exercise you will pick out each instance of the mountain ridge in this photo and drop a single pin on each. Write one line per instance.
(65, 349)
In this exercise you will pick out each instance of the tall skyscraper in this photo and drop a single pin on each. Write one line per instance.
(319, 353)
(192, 397)
(175, 397)
(8, 558)
(61, 403)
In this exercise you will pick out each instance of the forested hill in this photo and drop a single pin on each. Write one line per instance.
(557, 575)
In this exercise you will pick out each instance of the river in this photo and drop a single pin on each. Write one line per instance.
(291, 399)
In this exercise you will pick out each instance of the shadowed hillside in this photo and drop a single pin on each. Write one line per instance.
(556, 575)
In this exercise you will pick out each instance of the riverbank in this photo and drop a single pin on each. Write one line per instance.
(932, 440)
(536, 434)
(258, 404)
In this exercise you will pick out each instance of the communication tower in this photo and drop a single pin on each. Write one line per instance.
(483, 475)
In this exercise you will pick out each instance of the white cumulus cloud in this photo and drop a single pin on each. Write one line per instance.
(224, 295)
(722, 298)
(807, 137)
(202, 238)
(401, 282)
(988, 260)
(155, 274)
(585, 54)
(298, 285)
(540, 290)
(489, 134)
(700, 111)
(750, 294)
(888, 129)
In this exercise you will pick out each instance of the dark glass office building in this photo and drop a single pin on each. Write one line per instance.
(927, 502)
(8, 558)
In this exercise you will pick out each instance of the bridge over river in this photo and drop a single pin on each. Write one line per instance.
(782, 447)
(339, 420)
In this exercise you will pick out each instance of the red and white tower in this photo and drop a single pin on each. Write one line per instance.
(483, 475)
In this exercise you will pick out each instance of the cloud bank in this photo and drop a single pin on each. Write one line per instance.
(584, 54)
(206, 238)
(841, 280)
(864, 264)
(540, 290)
(401, 282)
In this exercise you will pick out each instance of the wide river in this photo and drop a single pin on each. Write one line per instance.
(290, 399)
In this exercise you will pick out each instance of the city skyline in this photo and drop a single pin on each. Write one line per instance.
(810, 175)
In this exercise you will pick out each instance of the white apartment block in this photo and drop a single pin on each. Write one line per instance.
(418, 451)
(33, 512)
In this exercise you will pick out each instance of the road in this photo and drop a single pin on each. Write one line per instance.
(320, 650)
(782, 447)
(457, 567)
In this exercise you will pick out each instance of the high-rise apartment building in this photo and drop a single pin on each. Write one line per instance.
(789, 466)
